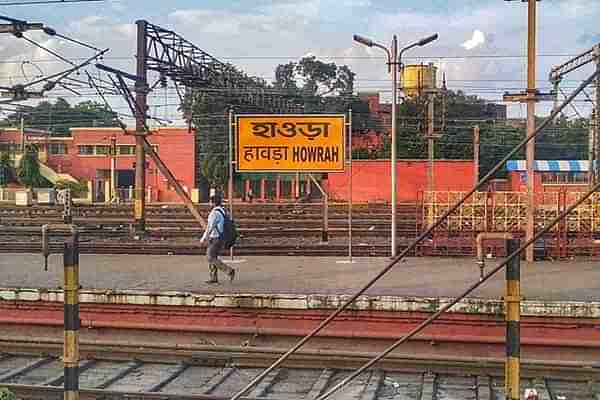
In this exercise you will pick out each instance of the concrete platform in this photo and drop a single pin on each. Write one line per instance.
(422, 277)
(562, 289)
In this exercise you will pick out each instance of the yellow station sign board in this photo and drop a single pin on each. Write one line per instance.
(290, 142)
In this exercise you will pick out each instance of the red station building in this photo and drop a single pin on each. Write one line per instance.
(85, 155)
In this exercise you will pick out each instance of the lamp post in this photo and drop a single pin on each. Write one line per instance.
(394, 64)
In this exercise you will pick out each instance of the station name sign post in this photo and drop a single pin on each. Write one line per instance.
(293, 143)
(290, 143)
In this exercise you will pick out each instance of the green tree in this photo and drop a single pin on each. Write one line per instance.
(215, 172)
(6, 394)
(315, 86)
(318, 86)
(29, 168)
(60, 116)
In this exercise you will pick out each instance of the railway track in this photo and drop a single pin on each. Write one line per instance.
(257, 211)
(124, 370)
(158, 248)
(175, 221)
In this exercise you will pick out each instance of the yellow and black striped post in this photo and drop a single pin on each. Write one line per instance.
(512, 299)
(71, 310)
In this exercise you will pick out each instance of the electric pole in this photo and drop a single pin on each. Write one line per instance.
(530, 97)
(141, 91)
(476, 141)
(597, 120)
(113, 170)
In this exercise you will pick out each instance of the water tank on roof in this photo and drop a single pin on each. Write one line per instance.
(417, 78)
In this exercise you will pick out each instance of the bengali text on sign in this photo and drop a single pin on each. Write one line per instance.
(290, 142)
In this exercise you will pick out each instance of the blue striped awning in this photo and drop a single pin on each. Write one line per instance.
(550, 165)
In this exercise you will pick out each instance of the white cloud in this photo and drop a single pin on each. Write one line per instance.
(235, 24)
(117, 5)
(307, 9)
(476, 40)
(91, 22)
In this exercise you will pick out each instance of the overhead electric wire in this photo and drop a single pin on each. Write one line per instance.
(76, 41)
(470, 290)
(40, 2)
(467, 57)
(48, 50)
(397, 259)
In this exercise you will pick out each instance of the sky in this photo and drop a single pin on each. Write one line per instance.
(481, 46)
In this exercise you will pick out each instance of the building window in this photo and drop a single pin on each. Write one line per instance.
(101, 150)
(10, 149)
(86, 150)
(126, 150)
(103, 174)
(129, 149)
(580, 177)
(57, 148)
(564, 178)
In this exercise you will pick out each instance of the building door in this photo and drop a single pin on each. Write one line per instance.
(125, 178)
(99, 186)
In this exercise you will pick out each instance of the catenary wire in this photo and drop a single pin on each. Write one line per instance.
(409, 248)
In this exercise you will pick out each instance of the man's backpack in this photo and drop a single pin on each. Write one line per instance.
(230, 234)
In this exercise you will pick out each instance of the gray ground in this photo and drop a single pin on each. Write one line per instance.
(428, 277)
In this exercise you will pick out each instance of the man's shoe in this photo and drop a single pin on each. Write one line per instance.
(212, 282)
(232, 275)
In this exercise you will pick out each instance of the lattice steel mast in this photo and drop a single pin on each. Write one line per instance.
(171, 56)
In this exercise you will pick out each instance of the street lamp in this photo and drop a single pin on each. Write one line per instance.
(394, 62)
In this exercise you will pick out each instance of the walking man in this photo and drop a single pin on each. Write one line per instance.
(213, 237)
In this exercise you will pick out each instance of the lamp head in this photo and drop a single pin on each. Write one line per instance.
(363, 40)
(427, 40)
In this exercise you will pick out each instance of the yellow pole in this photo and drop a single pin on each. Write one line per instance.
(513, 321)
(71, 311)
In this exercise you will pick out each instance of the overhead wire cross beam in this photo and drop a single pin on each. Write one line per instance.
(39, 2)
(20, 92)
(186, 64)
(135, 108)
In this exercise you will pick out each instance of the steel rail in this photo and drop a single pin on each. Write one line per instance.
(147, 352)
(451, 304)
(422, 236)
(35, 392)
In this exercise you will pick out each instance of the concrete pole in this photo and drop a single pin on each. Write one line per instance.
(531, 92)
(597, 123)
(325, 229)
(350, 186)
(476, 141)
(22, 135)
(113, 169)
(591, 148)
(230, 171)
(140, 123)
(430, 142)
(394, 68)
